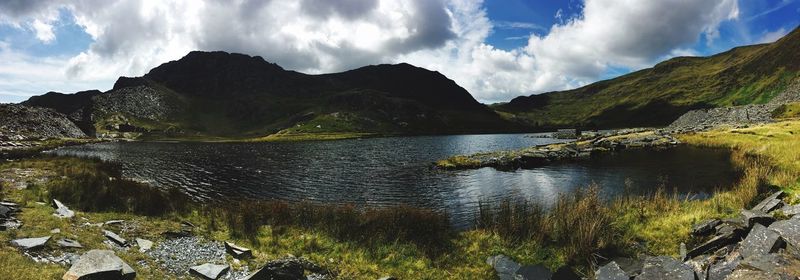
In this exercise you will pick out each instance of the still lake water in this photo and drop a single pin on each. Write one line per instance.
(397, 170)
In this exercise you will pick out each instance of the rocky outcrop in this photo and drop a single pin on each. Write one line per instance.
(703, 119)
(141, 102)
(33, 123)
(740, 248)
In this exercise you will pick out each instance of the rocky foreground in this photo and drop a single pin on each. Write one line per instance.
(180, 253)
(762, 243)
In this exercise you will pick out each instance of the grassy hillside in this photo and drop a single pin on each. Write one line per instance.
(658, 95)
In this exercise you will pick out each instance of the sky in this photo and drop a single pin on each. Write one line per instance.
(496, 49)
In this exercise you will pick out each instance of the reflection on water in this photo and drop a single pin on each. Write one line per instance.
(391, 171)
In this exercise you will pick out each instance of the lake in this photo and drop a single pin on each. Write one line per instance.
(397, 170)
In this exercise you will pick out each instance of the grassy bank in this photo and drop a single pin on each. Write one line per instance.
(581, 229)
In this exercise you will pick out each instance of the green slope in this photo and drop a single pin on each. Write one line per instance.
(658, 95)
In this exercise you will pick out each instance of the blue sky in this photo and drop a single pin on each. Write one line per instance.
(496, 49)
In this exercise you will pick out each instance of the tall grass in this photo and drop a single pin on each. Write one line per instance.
(429, 230)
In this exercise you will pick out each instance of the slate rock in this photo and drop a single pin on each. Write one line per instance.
(665, 268)
(285, 269)
(700, 266)
(144, 244)
(61, 210)
(209, 271)
(746, 274)
(632, 267)
(10, 224)
(99, 264)
(388, 278)
(778, 263)
(505, 267)
(115, 238)
(533, 272)
(238, 251)
(789, 230)
(751, 218)
(611, 271)
(565, 273)
(705, 228)
(5, 212)
(113, 222)
(726, 234)
(770, 203)
(761, 241)
(30, 243)
(69, 243)
(724, 266)
(790, 210)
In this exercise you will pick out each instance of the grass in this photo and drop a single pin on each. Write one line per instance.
(787, 111)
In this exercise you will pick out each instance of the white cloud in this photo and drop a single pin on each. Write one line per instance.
(772, 36)
(449, 36)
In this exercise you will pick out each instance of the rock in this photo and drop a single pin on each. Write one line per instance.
(209, 271)
(115, 238)
(61, 210)
(761, 241)
(565, 273)
(751, 217)
(789, 230)
(144, 244)
(632, 267)
(237, 251)
(69, 243)
(113, 222)
(5, 212)
(790, 210)
(724, 267)
(505, 267)
(285, 269)
(666, 268)
(30, 243)
(55, 231)
(99, 264)
(770, 203)
(778, 263)
(726, 234)
(388, 278)
(611, 271)
(700, 266)
(533, 272)
(10, 224)
(746, 274)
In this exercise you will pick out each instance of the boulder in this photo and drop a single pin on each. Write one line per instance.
(751, 217)
(61, 210)
(5, 212)
(761, 241)
(770, 203)
(30, 243)
(209, 271)
(789, 230)
(99, 264)
(237, 251)
(144, 244)
(505, 267)
(611, 271)
(285, 269)
(69, 243)
(632, 267)
(115, 238)
(705, 228)
(665, 268)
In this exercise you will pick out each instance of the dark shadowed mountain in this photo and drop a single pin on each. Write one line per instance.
(659, 95)
(220, 94)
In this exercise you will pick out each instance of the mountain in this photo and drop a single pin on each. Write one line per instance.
(228, 95)
(659, 95)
